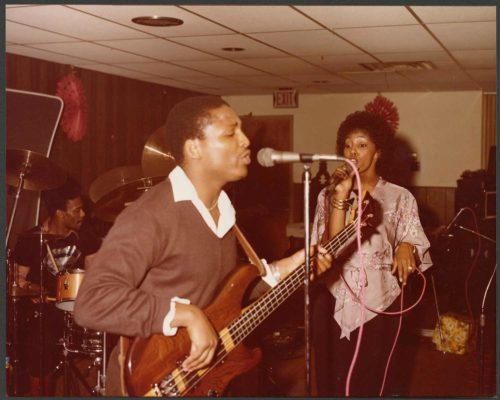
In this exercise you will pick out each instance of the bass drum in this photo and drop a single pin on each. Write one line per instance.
(81, 340)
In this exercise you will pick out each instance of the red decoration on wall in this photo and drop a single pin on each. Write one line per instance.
(386, 109)
(74, 117)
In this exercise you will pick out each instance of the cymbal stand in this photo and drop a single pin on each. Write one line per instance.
(12, 359)
(41, 320)
(24, 172)
(100, 388)
(69, 371)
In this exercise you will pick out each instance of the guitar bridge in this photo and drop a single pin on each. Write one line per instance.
(167, 387)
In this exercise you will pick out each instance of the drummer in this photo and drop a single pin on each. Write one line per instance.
(63, 246)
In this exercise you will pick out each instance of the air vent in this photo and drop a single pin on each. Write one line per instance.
(399, 66)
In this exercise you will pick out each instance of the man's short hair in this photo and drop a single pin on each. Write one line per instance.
(56, 199)
(187, 119)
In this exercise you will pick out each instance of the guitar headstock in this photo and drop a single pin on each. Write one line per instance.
(371, 212)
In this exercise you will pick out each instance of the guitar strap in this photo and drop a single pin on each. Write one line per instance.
(125, 341)
(250, 252)
(124, 344)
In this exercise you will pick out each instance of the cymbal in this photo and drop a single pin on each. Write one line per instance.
(113, 179)
(156, 159)
(40, 173)
(113, 203)
(18, 291)
(37, 233)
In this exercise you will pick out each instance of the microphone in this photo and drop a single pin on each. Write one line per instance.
(336, 179)
(452, 222)
(268, 157)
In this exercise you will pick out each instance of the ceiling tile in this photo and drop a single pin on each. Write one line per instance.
(466, 35)
(163, 69)
(214, 45)
(282, 65)
(211, 82)
(455, 76)
(451, 86)
(476, 59)
(123, 14)
(266, 18)
(317, 42)
(489, 87)
(315, 79)
(264, 81)
(91, 51)
(359, 16)
(341, 62)
(116, 70)
(483, 75)
(157, 48)
(22, 34)
(440, 55)
(219, 67)
(46, 55)
(63, 20)
(373, 78)
(433, 14)
(409, 38)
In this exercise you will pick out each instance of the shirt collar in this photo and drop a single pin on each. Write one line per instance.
(184, 190)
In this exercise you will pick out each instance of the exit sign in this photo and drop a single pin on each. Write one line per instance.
(285, 98)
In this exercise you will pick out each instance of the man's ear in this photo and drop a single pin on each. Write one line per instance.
(378, 154)
(192, 148)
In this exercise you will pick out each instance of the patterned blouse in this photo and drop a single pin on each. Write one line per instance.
(400, 223)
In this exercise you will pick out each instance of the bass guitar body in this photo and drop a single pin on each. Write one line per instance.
(153, 365)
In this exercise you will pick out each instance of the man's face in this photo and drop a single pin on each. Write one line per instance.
(224, 148)
(74, 214)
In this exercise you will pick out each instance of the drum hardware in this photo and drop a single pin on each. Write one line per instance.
(12, 344)
(113, 203)
(27, 170)
(88, 343)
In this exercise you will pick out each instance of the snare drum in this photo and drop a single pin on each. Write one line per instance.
(81, 340)
(68, 283)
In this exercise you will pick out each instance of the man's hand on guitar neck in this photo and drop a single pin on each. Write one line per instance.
(201, 333)
(322, 261)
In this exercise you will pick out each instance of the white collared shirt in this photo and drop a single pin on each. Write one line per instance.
(184, 190)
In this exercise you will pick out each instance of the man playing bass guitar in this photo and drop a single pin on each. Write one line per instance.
(164, 259)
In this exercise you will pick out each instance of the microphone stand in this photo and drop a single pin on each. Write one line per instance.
(306, 160)
(307, 240)
(482, 317)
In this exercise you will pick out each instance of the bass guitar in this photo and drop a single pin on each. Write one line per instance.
(153, 364)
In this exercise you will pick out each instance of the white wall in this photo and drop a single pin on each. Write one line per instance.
(443, 128)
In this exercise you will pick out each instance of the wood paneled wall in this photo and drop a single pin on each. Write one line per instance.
(121, 115)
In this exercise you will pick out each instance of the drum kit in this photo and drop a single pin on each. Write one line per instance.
(111, 193)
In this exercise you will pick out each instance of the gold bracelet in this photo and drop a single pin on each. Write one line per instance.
(341, 204)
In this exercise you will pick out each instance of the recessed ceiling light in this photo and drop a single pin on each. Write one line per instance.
(157, 21)
(233, 49)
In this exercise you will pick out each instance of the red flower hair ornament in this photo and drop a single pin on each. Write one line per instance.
(385, 108)
(74, 117)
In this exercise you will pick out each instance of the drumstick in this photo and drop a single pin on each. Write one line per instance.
(49, 252)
